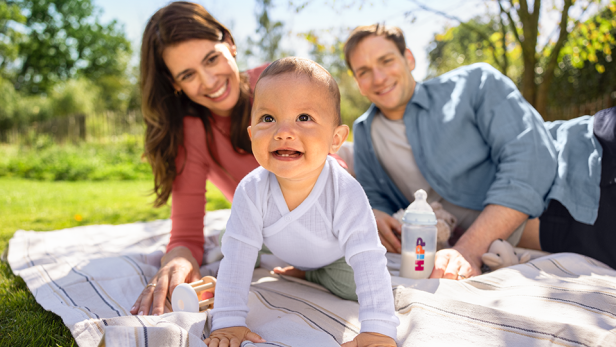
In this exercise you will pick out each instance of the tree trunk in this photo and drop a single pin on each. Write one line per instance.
(528, 86)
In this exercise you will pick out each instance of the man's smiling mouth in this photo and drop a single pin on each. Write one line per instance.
(386, 90)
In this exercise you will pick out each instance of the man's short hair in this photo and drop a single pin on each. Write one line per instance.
(310, 69)
(390, 32)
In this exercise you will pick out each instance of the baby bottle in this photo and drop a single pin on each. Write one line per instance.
(418, 238)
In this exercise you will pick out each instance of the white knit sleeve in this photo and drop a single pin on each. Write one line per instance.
(358, 236)
(240, 245)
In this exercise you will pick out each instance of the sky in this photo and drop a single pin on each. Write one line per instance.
(239, 16)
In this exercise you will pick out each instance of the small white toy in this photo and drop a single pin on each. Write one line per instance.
(501, 254)
(186, 296)
(445, 223)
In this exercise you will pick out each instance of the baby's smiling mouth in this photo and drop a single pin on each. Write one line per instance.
(285, 153)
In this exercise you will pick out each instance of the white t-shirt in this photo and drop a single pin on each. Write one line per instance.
(394, 152)
(335, 220)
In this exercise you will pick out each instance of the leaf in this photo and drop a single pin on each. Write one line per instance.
(600, 68)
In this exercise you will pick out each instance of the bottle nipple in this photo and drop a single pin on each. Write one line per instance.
(419, 211)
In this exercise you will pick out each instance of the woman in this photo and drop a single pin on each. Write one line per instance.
(196, 105)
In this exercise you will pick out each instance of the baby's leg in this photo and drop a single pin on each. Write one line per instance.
(337, 277)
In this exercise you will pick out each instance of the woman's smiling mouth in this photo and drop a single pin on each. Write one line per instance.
(219, 92)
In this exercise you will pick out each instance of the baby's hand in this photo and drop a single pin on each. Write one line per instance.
(232, 337)
(371, 340)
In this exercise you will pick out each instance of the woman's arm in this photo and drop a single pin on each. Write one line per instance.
(185, 249)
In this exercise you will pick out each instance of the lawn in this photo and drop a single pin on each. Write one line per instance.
(43, 206)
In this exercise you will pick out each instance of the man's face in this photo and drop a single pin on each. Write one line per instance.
(383, 74)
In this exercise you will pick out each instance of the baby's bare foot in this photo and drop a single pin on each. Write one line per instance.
(290, 271)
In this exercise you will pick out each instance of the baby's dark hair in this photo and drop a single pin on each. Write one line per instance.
(308, 68)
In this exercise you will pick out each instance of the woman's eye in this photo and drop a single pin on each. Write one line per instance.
(213, 59)
(187, 76)
(304, 118)
(267, 118)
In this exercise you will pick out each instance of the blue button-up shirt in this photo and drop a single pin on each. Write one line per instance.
(478, 142)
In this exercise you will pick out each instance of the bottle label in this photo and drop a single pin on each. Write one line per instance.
(419, 253)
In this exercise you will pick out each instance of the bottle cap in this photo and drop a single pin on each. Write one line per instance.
(419, 212)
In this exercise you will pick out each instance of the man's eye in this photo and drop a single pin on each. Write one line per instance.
(304, 118)
(267, 118)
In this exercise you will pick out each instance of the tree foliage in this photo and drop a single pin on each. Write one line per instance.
(65, 39)
(269, 34)
(586, 69)
(463, 45)
(539, 58)
(10, 16)
(331, 56)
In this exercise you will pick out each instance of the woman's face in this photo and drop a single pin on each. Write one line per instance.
(206, 72)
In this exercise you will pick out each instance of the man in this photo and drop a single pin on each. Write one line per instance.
(470, 140)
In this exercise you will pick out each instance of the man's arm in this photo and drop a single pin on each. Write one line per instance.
(464, 259)
(525, 157)
(389, 228)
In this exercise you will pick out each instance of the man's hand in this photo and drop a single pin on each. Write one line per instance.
(231, 337)
(390, 230)
(464, 259)
(452, 264)
(370, 340)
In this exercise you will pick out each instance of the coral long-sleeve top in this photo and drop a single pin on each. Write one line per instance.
(188, 192)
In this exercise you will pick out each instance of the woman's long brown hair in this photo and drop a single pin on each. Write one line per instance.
(163, 110)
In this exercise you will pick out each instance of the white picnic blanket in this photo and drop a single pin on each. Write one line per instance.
(90, 276)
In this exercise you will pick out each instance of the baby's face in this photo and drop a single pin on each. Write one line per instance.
(293, 126)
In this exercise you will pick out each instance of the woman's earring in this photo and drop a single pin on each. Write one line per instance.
(177, 92)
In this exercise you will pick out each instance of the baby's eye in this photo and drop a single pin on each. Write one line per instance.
(304, 118)
(267, 119)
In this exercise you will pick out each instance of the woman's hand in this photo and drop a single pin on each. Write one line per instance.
(370, 340)
(177, 266)
(231, 337)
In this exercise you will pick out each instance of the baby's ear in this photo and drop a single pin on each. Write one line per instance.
(340, 135)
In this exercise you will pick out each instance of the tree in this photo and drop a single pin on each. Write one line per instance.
(481, 39)
(539, 61)
(586, 69)
(269, 32)
(10, 14)
(331, 57)
(65, 39)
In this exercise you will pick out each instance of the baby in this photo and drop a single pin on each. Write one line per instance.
(303, 206)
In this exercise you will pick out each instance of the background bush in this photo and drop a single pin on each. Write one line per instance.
(41, 159)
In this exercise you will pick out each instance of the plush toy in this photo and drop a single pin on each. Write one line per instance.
(445, 223)
(501, 254)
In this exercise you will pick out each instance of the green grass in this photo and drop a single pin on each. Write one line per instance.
(43, 206)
